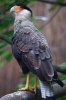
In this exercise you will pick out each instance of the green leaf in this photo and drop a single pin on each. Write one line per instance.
(24, 76)
(21, 75)
(20, 86)
(7, 56)
(2, 51)
(60, 1)
(62, 77)
(5, 22)
(62, 98)
(39, 28)
(9, 33)
(8, 1)
(55, 5)
(31, 75)
(25, 2)
(53, 8)
(63, 64)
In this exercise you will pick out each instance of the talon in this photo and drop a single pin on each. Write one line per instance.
(24, 89)
(35, 85)
(33, 88)
(27, 88)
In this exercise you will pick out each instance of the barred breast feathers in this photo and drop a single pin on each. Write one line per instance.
(19, 25)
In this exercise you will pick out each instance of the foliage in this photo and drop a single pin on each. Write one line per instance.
(63, 64)
(56, 4)
(62, 98)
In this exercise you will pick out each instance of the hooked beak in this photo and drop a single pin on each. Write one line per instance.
(12, 9)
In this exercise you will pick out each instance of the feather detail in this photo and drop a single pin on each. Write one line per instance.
(47, 66)
(59, 82)
(46, 89)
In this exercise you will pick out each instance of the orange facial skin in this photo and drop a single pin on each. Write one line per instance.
(17, 8)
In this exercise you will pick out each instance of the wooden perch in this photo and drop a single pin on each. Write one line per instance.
(31, 95)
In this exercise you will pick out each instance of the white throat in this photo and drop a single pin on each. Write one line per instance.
(23, 15)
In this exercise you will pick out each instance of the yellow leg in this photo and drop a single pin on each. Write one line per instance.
(35, 84)
(27, 84)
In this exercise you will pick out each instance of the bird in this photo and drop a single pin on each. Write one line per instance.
(32, 52)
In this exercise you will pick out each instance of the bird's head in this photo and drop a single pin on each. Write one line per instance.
(21, 11)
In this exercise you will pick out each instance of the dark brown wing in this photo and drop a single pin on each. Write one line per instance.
(32, 45)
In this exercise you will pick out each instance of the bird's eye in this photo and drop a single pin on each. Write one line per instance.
(17, 8)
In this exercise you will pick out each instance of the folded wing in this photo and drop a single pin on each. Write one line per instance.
(33, 47)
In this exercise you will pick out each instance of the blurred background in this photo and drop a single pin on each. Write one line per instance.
(50, 19)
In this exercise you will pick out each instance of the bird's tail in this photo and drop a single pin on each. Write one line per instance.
(46, 91)
(59, 82)
(56, 79)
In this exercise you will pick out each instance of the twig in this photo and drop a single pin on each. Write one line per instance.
(2, 37)
(60, 69)
(53, 2)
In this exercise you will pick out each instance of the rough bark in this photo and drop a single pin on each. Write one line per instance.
(32, 95)
(22, 95)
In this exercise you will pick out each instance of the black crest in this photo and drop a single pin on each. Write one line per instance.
(24, 7)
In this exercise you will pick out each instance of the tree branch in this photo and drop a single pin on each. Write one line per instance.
(31, 95)
(22, 95)
(2, 37)
(60, 69)
(53, 2)
(59, 91)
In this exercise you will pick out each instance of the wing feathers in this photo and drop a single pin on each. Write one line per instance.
(47, 66)
(42, 55)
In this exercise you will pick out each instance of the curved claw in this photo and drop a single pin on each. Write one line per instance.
(33, 88)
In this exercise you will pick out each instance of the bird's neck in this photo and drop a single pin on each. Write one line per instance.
(22, 18)
(23, 15)
(18, 22)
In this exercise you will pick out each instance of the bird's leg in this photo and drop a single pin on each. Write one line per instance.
(27, 84)
(35, 84)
